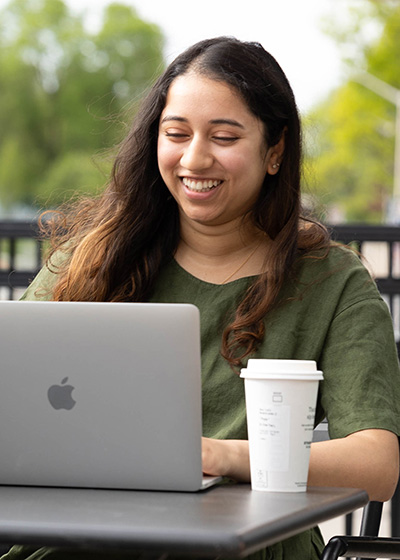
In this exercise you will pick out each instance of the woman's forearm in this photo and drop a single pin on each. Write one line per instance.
(368, 459)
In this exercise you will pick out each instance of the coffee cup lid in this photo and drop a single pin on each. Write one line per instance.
(281, 369)
(316, 376)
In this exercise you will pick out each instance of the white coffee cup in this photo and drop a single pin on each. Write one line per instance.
(281, 400)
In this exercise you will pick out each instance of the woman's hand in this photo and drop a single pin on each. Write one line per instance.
(226, 457)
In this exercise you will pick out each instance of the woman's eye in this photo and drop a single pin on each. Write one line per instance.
(177, 135)
(226, 139)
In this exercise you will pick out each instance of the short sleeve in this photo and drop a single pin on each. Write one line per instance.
(361, 389)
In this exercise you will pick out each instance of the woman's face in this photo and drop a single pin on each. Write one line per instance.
(212, 153)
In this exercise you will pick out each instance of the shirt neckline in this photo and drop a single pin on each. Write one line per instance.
(238, 281)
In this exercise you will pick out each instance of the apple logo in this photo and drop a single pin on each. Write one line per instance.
(60, 396)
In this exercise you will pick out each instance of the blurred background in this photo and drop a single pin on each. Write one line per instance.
(72, 73)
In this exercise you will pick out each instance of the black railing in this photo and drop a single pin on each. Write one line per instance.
(20, 256)
(19, 264)
(388, 238)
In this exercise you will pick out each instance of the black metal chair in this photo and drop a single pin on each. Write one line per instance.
(368, 544)
(369, 547)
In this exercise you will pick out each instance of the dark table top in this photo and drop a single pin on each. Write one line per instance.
(226, 520)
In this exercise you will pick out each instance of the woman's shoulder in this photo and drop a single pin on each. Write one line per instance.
(336, 271)
(334, 259)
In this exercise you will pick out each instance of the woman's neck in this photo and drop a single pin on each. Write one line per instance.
(221, 253)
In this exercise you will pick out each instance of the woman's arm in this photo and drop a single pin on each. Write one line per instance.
(368, 459)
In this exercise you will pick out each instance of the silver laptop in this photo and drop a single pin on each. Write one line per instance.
(100, 395)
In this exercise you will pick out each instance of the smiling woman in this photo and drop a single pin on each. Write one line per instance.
(203, 207)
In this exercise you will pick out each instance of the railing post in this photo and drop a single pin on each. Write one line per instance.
(11, 276)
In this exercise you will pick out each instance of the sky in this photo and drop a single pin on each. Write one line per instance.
(291, 30)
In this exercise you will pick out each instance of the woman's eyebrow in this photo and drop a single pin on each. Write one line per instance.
(173, 118)
(227, 121)
(230, 122)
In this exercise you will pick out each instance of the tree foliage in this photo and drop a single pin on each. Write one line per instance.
(351, 134)
(62, 92)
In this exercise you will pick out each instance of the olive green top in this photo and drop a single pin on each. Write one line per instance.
(333, 314)
(330, 312)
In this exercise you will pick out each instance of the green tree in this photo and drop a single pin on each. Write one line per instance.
(351, 134)
(62, 93)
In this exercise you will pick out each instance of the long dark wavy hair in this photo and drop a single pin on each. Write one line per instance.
(116, 244)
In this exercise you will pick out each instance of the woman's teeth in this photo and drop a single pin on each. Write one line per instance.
(200, 186)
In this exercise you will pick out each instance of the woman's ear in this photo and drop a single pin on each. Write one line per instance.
(275, 155)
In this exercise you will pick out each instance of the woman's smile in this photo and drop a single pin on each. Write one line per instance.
(200, 185)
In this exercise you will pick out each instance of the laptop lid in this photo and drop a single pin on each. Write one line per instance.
(104, 395)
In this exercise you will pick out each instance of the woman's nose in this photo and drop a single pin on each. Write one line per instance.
(197, 155)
